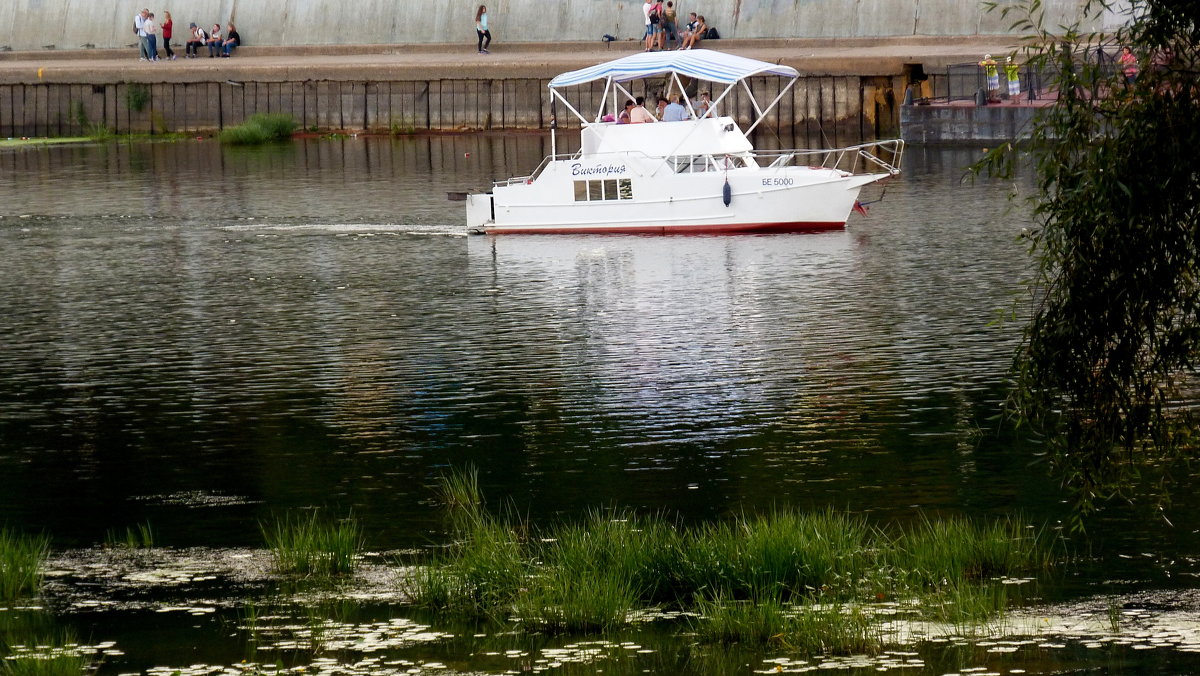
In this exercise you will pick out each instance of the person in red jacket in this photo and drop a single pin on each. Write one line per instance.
(166, 35)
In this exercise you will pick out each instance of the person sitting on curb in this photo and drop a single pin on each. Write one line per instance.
(194, 43)
(232, 40)
(696, 34)
(214, 41)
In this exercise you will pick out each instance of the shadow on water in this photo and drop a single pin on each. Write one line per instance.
(198, 337)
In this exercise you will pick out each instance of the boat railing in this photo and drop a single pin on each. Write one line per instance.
(538, 171)
(858, 159)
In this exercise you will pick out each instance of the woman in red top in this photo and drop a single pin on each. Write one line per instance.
(166, 35)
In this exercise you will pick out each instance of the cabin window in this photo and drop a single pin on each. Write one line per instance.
(611, 189)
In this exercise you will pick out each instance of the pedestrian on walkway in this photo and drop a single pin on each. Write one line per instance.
(151, 29)
(669, 26)
(166, 35)
(481, 29)
(139, 23)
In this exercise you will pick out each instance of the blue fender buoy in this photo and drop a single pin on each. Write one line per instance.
(726, 193)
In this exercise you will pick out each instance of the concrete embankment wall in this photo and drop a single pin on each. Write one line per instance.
(74, 24)
(846, 107)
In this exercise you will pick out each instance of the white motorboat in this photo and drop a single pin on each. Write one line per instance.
(699, 175)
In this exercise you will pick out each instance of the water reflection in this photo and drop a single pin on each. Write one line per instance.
(197, 336)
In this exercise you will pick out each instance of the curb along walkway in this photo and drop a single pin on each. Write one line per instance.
(862, 57)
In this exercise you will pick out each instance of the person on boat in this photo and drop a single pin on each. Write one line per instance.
(623, 118)
(704, 107)
(675, 111)
(639, 114)
(660, 108)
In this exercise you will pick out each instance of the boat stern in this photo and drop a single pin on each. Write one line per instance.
(481, 211)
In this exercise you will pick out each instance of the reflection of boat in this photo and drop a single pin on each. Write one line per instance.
(698, 175)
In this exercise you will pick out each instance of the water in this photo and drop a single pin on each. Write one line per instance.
(200, 338)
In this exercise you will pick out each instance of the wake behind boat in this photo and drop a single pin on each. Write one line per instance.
(700, 175)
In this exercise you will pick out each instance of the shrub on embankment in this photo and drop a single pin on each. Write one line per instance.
(818, 582)
(260, 128)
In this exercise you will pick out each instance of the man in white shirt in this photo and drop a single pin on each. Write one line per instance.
(139, 29)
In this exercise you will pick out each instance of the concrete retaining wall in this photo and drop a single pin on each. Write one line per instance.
(72, 24)
(968, 125)
(843, 107)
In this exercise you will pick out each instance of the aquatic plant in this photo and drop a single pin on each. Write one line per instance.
(138, 537)
(260, 128)
(784, 554)
(805, 580)
(957, 548)
(21, 561)
(480, 573)
(310, 545)
(137, 97)
(825, 629)
(56, 654)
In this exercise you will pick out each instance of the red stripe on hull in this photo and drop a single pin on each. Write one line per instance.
(722, 229)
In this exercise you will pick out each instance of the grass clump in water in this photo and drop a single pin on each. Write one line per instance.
(825, 629)
(139, 537)
(810, 582)
(59, 656)
(310, 545)
(260, 128)
(22, 558)
(958, 549)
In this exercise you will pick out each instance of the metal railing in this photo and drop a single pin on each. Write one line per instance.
(858, 159)
(964, 81)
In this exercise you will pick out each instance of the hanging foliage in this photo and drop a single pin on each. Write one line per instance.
(1106, 368)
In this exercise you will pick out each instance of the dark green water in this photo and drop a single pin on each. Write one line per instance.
(200, 338)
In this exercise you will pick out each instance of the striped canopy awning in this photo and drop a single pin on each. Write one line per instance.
(703, 64)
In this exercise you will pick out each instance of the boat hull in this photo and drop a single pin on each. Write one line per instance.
(752, 208)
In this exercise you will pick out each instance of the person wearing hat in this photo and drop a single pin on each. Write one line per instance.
(1014, 81)
(993, 77)
(196, 41)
